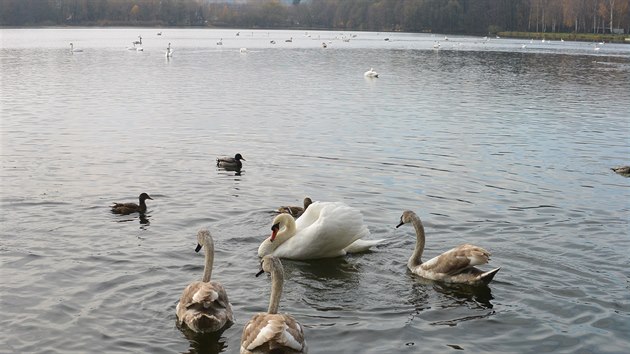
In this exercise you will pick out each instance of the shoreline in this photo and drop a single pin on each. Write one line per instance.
(580, 37)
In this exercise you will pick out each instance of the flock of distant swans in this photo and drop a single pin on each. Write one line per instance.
(315, 231)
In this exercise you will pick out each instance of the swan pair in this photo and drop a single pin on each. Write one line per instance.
(204, 307)
(332, 229)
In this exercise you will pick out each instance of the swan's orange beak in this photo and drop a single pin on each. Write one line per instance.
(274, 231)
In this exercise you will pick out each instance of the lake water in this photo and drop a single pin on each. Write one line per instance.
(490, 143)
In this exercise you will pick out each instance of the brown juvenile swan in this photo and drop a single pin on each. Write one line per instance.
(128, 208)
(273, 331)
(454, 266)
(204, 305)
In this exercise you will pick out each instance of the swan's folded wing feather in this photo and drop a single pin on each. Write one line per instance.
(272, 331)
(457, 260)
(209, 300)
(360, 245)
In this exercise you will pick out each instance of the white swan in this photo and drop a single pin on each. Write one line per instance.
(326, 229)
(454, 266)
(204, 305)
(243, 50)
(220, 42)
(75, 50)
(139, 41)
(169, 51)
(370, 73)
(273, 331)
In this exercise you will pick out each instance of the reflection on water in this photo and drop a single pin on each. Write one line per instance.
(142, 218)
(210, 343)
(452, 298)
(498, 146)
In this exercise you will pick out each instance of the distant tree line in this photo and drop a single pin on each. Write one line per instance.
(444, 16)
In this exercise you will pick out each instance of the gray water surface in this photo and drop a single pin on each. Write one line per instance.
(490, 143)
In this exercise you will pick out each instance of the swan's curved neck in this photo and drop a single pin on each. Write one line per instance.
(277, 279)
(415, 259)
(287, 229)
(207, 269)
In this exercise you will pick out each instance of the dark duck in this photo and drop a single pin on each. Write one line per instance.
(296, 211)
(128, 208)
(230, 163)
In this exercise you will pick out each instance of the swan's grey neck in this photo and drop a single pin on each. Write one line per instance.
(277, 279)
(209, 248)
(415, 259)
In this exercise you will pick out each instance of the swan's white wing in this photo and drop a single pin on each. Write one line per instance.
(360, 245)
(324, 230)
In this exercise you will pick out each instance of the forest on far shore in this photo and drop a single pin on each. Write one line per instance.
(443, 16)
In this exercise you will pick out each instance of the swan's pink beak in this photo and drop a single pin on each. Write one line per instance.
(274, 231)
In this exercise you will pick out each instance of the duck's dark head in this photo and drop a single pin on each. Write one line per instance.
(144, 197)
(239, 157)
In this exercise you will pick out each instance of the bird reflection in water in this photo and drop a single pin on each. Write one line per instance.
(465, 302)
(204, 342)
(142, 218)
(322, 282)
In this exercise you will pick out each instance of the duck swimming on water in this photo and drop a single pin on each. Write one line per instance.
(622, 170)
(230, 163)
(129, 208)
(296, 211)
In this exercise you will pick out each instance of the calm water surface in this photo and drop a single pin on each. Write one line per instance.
(490, 143)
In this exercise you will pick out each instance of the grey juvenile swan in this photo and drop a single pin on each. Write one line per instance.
(204, 305)
(273, 331)
(454, 266)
